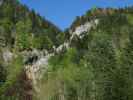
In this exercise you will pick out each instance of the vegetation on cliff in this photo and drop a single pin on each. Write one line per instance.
(97, 66)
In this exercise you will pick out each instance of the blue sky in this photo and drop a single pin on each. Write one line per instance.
(63, 12)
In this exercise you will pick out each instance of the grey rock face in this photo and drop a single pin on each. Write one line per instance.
(38, 67)
(7, 55)
(1, 2)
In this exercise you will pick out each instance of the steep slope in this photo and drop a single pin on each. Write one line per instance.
(22, 31)
(16, 17)
(97, 64)
(92, 61)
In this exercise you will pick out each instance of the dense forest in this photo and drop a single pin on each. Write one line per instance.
(95, 66)
(17, 19)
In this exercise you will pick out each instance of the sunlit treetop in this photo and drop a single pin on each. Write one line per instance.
(18, 0)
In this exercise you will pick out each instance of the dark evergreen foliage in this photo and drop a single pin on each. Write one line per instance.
(97, 67)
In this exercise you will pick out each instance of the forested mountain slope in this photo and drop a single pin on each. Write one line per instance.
(99, 63)
(17, 19)
(91, 60)
(22, 32)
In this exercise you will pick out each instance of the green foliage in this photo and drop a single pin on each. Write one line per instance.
(18, 21)
(67, 77)
(13, 71)
(23, 37)
(3, 73)
(42, 42)
(98, 68)
(8, 98)
(60, 38)
(130, 18)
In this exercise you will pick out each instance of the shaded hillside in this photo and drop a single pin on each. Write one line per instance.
(21, 30)
(99, 13)
(99, 63)
(92, 60)
(16, 18)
